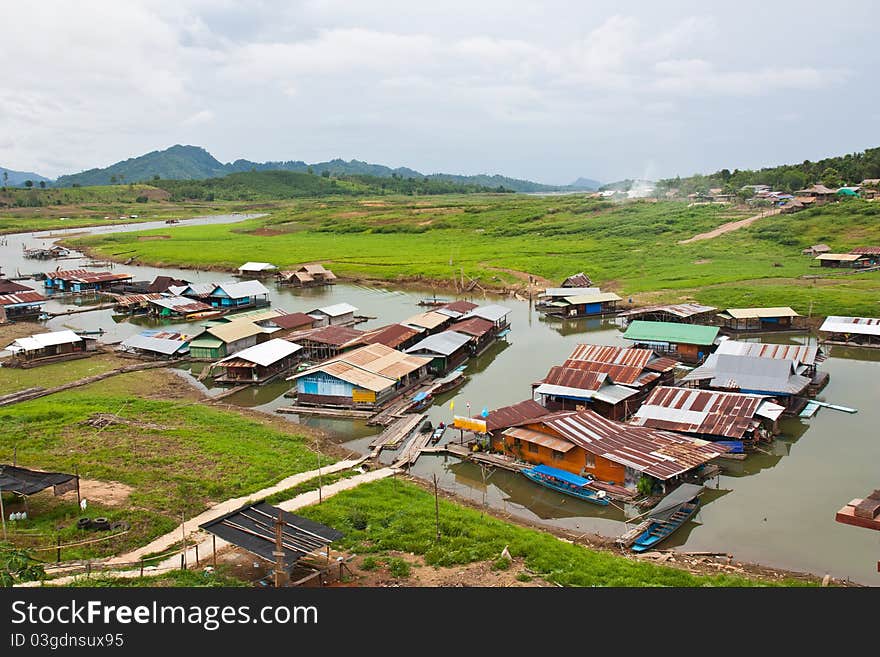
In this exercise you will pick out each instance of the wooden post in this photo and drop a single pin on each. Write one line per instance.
(214, 545)
(320, 481)
(278, 553)
(78, 498)
(2, 515)
(436, 507)
(142, 566)
(183, 533)
(58, 549)
(14, 455)
(197, 555)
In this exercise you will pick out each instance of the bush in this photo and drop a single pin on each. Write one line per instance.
(369, 563)
(141, 199)
(358, 519)
(398, 567)
(645, 486)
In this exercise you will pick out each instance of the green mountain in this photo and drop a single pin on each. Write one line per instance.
(195, 163)
(18, 178)
(587, 184)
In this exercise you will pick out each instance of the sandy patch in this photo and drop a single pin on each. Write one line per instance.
(110, 493)
(151, 238)
(479, 573)
(703, 261)
(265, 232)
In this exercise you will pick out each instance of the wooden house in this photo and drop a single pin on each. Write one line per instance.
(158, 345)
(172, 306)
(18, 306)
(817, 249)
(396, 336)
(79, 281)
(847, 260)
(690, 343)
(226, 339)
(497, 314)
(856, 331)
(339, 314)
(48, 347)
(583, 305)
(307, 276)
(820, 193)
(286, 324)
(482, 332)
(758, 319)
(258, 364)
(327, 341)
(681, 313)
(366, 378)
(164, 283)
(445, 351)
(587, 444)
(429, 322)
(577, 280)
(871, 252)
(257, 270)
(456, 309)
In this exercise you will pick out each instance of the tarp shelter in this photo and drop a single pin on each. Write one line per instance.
(27, 482)
(252, 528)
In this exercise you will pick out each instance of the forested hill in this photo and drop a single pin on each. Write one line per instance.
(849, 169)
(195, 163)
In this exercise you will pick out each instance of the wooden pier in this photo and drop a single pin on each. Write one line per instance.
(413, 449)
(395, 433)
(325, 412)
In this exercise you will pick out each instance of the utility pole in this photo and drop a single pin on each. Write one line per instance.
(278, 553)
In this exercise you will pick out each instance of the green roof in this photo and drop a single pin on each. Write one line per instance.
(642, 331)
(206, 343)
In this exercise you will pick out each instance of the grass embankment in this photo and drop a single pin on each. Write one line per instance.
(175, 578)
(13, 379)
(178, 458)
(630, 248)
(391, 515)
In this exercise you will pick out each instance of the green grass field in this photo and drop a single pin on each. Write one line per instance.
(178, 457)
(13, 379)
(394, 515)
(631, 248)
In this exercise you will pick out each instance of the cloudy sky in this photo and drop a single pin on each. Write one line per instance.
(542, 90)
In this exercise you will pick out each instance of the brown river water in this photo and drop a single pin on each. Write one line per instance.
(776, 509)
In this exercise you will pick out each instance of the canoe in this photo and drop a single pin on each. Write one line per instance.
(438, 434)
(565, 482)
(670, 513)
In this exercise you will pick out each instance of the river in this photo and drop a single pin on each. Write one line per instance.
(775, 509)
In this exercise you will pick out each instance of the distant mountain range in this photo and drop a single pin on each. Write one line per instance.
(18, 178)
(196, 163)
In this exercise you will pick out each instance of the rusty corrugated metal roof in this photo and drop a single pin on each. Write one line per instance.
(332, 335)
(682, 310)
(392, 335)
(475, 326)
(21, 297)
(509, 416)
(87, 276)
(575, 378)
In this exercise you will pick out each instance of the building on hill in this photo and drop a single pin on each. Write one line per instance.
(577, 280)
(845, 260)
(820, 193)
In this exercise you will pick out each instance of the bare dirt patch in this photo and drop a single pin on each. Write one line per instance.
(703, 261)
(16, 330)
(479, 573)
(352, 214)
(109, 493)
(156, 194)
(375, 204)
(265, 232)
(729, 227)
(151, 238)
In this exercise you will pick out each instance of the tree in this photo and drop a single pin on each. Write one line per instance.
(830, 177)
(156, 177)
(43, 184)
(310, 170)
(28, 183)
(112, 180)
(5, 178)
(17, 565)
(793, 180)
(325, 173)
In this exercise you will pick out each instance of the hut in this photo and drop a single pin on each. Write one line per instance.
(257, 270)
(78, 281)
(817, 249)
(339, 314)
(233, 337)
(690, 343)
(171, 306)
(445, 351)
(327, 341)
(494, 313)
(848, 260)
(709, 414)
(396, 336)
(587, 444)
(758, 319)
(54, 346)
(160, 345)
(135, 304)
(482, 333)
(429, 322)
(164, 283)
(860, 331)
(577, 280)
(258, 364)
(228, 296)
(307, 276)
(22, 305)
(820, 193)
(583, 305)
(681, 313)
(364, 378)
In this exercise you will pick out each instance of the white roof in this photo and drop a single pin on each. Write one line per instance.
(198, 289)
(770, 410)
(492, 312)
(164, 346)
(267, 353)
(243, 289)
(445, 343)
(177, 290)
(336, 310)
(855, 325)
(751, 313)
(42, 340)
(257, 266)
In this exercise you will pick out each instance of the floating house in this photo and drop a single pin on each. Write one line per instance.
(11, 287)
(758, 319)
(609, 380)
(577, 280)
(445, 351)
(805, 357)
(614, 454)
(364, 378)
(339, 314)
(307, 276)
(482, 332)
(494, 313)
(258, 364)
(587, 304)
(287, 323)
(857, 331)
(772, 377)
(22, 305)
(327, 341)
(515, 414)
(429, 322)
(847, 260)
(164, 283)
(682, 313)
(226, 296)
(257, 270)
(156, 344)
(709, 414)
(82, 280)
(456, 309)
(396, 336)
(226, 339)
(179, 307)
(46, 347)
(135, 304)
(690, 343)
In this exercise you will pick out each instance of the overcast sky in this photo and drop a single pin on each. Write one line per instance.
(542, 90)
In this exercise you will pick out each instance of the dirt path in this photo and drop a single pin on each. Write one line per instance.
(729, 227)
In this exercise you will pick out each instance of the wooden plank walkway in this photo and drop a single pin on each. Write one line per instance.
(413, 449)
(325, 412)
(395, 433)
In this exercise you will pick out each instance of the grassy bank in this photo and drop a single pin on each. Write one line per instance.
(393, 515)
(13, 379)
(171, 458)
(176, 578)
(631, 248)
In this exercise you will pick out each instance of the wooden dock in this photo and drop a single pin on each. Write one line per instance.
(483, 458)
(413, 449)
(325, 412)
(395, 433)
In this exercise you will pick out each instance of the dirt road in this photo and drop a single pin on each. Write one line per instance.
(729, 227)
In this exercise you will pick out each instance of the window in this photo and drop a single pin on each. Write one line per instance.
(558, 456)
(533, 447)
(589, 460)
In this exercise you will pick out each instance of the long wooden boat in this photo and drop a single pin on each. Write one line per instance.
(567, 483)
(434, 302)
(670, 513)
(438, 433)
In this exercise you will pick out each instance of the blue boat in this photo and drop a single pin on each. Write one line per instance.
(566, 482)
(670, 513)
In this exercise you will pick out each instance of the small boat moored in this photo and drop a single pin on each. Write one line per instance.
(563, 481)
(670, 513)
(438, 433)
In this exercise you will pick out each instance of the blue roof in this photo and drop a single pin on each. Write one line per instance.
(563, 475)
(420, 396)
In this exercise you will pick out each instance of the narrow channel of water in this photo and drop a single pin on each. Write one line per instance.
(776, 509)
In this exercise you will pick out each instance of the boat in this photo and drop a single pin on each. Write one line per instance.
(420, 401)
(204, 314)
(450, 381)
(172, 221)
(670, 513)
(426, 427)
(563, 481)
(434, 301)
(438, 433)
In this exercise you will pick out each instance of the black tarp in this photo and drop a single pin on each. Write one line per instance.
(27, 482)
(252, 528)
